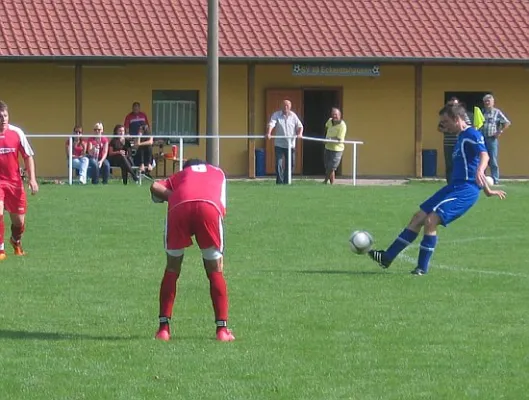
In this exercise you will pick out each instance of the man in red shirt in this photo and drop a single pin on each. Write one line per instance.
(13, 142)
(197, 206)
(135, 119)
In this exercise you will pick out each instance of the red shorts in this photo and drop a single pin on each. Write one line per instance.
(14, 198)
(197, 218)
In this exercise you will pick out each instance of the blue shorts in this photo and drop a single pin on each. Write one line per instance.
(452, 201)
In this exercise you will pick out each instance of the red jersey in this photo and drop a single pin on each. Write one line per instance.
(13, 142)
(198, 183)
(98, 144)
(78, 148)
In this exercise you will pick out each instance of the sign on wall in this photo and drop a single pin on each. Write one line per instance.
(335, 70)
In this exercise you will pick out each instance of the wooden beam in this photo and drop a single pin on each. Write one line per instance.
(78, 94)
(418, 120)
(250, 85)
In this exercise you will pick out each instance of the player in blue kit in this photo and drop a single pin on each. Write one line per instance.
(470, 159)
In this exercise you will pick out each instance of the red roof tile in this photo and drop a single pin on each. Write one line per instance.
(271, 29)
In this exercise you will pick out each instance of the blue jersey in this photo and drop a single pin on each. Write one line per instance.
(470, 143)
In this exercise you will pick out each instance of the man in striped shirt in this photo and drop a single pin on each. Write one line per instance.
(494, 125)
(449, 141)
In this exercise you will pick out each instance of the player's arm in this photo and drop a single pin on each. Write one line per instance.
(161, 190)
(29, 164)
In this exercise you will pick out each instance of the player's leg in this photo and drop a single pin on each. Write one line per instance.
(16, 204)
(209, 234)
(455, 204)
(177, 237)
(168, 292)
(2, 246)
(428, 243)
(408, 235)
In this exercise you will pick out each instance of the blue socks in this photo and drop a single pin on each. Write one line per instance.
(427, 248)
(405, 238)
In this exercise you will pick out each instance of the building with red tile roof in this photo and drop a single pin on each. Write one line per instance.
(388, 64)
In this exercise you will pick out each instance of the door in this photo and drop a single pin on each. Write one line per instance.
(274, 101)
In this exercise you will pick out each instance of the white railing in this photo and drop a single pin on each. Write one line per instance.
(181, 148)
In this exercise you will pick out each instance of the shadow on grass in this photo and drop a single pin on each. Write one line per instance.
(27, 335)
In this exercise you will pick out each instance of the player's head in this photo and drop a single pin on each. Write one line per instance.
(4, 115)
(193, 161)
(452, 118)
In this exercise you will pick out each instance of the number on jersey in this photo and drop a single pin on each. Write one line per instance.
(199, 168)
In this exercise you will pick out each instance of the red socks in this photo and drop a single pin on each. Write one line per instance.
(167, 295)
(219, 298)
(16, 231)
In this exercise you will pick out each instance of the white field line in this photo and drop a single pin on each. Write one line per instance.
(413, 260)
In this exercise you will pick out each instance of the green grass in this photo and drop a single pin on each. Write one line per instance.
(312, 320)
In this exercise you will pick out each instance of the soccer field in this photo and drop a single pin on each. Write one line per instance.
(312, 320)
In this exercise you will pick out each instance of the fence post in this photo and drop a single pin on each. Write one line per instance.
(70, 160)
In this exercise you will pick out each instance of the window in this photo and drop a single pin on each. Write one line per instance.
(468, 99)
(175, 113)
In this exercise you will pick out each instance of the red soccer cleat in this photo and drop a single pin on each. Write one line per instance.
(225, 335)
(163, 334)
(17, 247)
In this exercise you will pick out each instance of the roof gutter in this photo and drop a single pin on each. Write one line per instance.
(264, 60)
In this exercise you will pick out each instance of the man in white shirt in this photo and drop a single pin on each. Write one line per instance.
(287, 127)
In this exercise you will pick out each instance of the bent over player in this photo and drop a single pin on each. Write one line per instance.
(197, 206)
(470, 159)
(13, 142)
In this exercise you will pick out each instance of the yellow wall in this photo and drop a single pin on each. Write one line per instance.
(108, 94)
(41, 99)
(378, 111)
(510, 86)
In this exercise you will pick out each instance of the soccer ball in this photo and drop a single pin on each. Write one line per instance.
(361, 242)
(489, 180)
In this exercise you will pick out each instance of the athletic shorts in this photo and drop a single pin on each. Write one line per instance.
(199, 219)
(14, 198)
(452, 201)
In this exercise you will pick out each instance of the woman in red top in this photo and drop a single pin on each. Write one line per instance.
(79, 158)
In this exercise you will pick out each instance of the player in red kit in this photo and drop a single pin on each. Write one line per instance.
(13, 142)
(196, 199)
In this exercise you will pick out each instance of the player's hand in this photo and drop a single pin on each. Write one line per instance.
(33, 186)
(481, 179)
(499, 193)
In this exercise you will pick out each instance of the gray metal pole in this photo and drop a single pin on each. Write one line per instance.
(212, 125)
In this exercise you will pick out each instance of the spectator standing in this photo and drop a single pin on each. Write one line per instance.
(287, 127)
(335, 129)
(495, 124)
(135, 119)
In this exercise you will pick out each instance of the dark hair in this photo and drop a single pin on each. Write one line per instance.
(78, 128)
(118, 126)
(193, 161)
(136, 103)
(3, 105)
(453, 111)
(144, 128)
